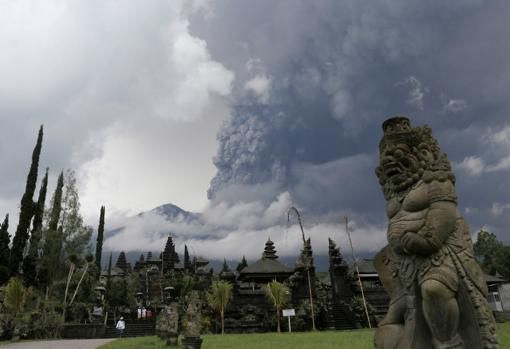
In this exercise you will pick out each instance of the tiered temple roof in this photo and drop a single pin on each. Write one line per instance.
(267, 268)
(306, 257)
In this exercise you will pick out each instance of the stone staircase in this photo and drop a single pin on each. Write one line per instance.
(136, 328)
(340, 318)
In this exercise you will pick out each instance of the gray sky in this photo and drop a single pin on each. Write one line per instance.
(128, 97)
(256, 105)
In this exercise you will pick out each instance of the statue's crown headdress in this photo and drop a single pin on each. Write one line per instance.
(396, 125)
(396, 129)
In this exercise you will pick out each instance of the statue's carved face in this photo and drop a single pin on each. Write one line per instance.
(399, 164)
(405, 157)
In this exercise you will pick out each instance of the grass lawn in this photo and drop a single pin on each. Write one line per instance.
(357, 339)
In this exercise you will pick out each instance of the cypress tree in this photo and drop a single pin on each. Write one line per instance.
(242, 265)
(39, 212)
(53, 239)
(26, 211)
(225, 268)
(109, 281)
(100, 233)
(109, 275)
(187, 260)
(4, 251)
(30, 261)
(57, 203)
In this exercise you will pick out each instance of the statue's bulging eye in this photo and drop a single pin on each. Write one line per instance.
(398, 153)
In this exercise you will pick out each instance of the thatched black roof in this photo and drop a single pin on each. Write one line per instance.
(268, 267)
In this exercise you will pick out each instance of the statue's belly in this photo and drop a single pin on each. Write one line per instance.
(417, 199)
(405, 221)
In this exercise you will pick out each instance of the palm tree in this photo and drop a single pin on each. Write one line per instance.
(218, 298)
(15, 296)
(279, 294)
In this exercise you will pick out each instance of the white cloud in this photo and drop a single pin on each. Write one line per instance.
(472, 165)
(470, 210)
(260, 85)
(288, 241)
(498, 208)
(341, 104)
(140, 168)
(417, 91)
(451, 104)
(232, 231)
(255, 65)
(129, 97)
(502, 136)
(502, 164)
(499, 143)
(501, 140)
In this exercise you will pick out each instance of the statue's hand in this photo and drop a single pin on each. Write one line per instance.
(415, 244)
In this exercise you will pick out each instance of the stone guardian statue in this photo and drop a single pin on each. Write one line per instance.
(437, 289)
(192, 338)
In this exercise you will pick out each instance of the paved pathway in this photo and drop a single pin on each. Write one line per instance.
(58, 344)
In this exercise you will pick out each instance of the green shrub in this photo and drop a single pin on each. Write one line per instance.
(78, 312)
(358, 308)
(44, 324)
(6, 326)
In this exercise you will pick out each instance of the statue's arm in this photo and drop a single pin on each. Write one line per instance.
(440, 221)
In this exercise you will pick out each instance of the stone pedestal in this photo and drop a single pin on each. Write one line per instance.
(191, 343)
(171, 339)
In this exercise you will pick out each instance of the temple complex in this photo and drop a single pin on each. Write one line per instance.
(336, 295)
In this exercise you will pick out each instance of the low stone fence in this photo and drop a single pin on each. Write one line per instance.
(502, 316)
(82, 331)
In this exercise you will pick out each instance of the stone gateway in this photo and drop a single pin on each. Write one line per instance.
(437, 289)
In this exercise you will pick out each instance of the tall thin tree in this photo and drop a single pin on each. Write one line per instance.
(243, 264)
(100, 233)
(57, 203)
(75, 234)
(53, 237)
(39, 211)
(5, 239)
(108, 286)
(187, 260)
(109, 273)
(26, 211)
(30, 261)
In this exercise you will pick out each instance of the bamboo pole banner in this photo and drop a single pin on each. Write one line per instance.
(357, 271)
(307, 262)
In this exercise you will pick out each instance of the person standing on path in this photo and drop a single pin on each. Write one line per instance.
(121, 326)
